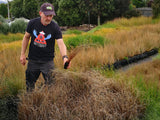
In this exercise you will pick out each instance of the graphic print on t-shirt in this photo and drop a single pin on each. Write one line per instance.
(40, 40)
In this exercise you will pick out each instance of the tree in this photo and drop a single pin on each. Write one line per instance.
(8, 10)
(69, 13)
(27, 8)
(156, 8)
(101, 8)
(17, 8)
(75, 12)
(121, 6)
(139, 3)
(3, 10)
(30, 9)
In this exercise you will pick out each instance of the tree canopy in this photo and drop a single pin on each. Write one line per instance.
(3, 10)
(69, 12)
(121, 6)
(156, 8)
(139, 3)
(73, 12)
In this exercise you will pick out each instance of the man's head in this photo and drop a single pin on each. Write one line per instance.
(46, 12)
(47, 9)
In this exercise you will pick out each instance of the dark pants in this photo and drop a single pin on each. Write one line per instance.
(34, 68)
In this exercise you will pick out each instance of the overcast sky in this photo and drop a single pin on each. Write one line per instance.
(5, 0)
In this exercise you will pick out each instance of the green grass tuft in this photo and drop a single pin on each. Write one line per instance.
(107, 25)
(10, 37)
(85, 40)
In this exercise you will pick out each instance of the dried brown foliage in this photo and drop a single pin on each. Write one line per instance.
(80, 96)
(150, 71)
(122, 43)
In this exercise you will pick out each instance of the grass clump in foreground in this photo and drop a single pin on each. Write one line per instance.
(83, 96)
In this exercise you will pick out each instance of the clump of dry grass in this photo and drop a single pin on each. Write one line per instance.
(104, 31)
(134, 21)
(150, 72)
(135, 41)
(80, 96)
(14, 44)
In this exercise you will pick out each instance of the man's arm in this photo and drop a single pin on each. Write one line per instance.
(24, 47)
(63, 50)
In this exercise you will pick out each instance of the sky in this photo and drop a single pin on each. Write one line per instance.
(4, 0)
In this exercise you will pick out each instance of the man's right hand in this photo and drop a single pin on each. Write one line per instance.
(23, 59)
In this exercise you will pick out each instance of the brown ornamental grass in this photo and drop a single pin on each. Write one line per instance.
(80, 96)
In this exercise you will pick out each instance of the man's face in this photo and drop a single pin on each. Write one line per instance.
(45, 19)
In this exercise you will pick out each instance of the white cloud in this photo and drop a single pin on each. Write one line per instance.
(4, 0)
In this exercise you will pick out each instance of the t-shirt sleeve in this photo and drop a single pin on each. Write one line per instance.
(58, 34)
(29, 27)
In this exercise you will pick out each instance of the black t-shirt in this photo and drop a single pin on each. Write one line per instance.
(42, 39)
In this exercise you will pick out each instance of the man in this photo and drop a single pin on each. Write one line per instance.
(43, 32)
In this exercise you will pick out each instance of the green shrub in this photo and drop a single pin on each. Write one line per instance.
(132, 13)
(2, 19)
(84, 40)
(4, 28)
(139, 3)
(18, 26)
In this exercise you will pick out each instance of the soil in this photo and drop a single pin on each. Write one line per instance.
(84, 27)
